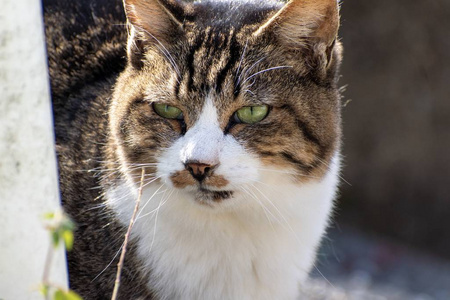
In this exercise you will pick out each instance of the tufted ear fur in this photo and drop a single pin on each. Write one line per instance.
(305, 23)
(156, 22)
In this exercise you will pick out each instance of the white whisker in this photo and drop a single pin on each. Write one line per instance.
(265, 209)
(238, 75)
(110, 263)
(148, 201)
(289, 227)
(328, 165)
(265, 70)
(249, 69)
(161, 203)
(166, 53)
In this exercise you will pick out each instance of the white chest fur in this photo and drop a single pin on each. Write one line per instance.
(260, 249)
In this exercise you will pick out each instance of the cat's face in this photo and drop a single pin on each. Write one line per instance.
(210, 104)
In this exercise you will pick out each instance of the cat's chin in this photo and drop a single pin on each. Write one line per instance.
(207, 197)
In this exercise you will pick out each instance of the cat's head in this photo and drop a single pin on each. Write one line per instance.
(217, 94)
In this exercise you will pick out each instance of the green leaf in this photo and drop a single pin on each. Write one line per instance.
(43, 288)
(55, 238)
(66, 295)
(59, 295)
(49, 216)
(71, 295)
(67, 236)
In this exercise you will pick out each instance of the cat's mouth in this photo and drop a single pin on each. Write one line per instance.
(204, 195)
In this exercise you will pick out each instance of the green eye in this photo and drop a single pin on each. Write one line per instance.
(167, 111)
(252, 114)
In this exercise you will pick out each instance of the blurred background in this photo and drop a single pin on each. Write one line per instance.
(397, 123)
(393, 217)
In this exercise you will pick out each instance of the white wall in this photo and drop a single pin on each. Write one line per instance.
(28, 178)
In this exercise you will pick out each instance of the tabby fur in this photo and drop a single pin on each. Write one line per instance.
(250, 228)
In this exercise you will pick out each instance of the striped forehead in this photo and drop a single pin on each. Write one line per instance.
(210, 57)
(214, 54)
(209, 71)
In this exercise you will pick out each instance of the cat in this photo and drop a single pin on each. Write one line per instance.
(232, 111)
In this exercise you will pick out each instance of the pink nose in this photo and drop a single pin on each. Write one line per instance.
(198, 170)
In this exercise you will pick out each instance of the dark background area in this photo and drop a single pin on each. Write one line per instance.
(397, 120)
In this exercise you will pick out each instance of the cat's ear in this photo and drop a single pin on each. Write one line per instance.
(302, 23)
(152, 22)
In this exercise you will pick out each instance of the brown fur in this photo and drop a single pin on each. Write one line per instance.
(183, 179)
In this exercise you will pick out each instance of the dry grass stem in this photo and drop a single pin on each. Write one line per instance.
(127, 236)
(48, 263)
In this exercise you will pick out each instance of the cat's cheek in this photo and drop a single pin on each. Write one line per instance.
(169, 162)
(237, 164)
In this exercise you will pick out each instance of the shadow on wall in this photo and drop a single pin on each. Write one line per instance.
(397, 123)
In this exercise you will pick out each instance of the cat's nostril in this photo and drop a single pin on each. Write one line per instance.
(198, 170)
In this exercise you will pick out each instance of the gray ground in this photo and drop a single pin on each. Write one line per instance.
(353, 265)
